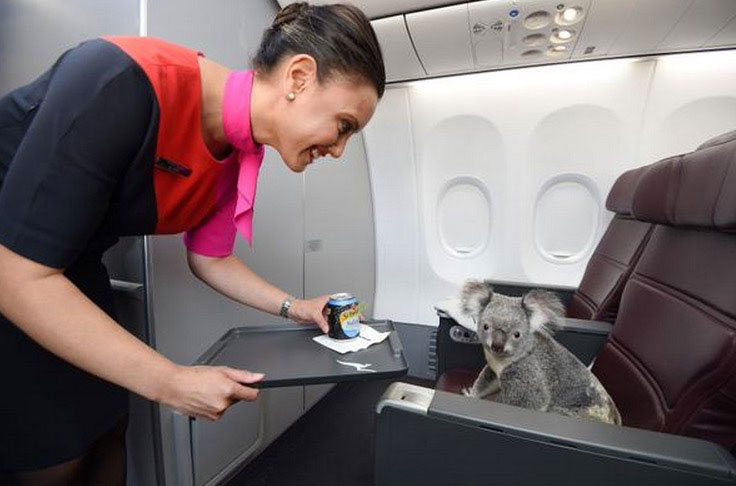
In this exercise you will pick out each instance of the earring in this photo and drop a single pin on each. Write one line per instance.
(291, 96)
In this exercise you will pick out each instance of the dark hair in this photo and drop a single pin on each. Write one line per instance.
(338, 36)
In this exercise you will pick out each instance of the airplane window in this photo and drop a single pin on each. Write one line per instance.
(566, 218)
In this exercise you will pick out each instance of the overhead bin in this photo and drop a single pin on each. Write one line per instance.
(436, 37)
(383, 8)
(442, 39)
(603, 24)
(399, 56)
(702, 21)
(648, 24)
(726, 36)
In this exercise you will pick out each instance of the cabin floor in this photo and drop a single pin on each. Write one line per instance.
(332, 444)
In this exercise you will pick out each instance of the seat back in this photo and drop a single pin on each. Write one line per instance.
(670, 362)
(598, 296)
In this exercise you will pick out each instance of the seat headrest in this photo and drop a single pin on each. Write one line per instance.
(694, 189)
(726, 137)
(621, 195)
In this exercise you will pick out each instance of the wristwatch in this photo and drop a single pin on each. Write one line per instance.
(285, 306)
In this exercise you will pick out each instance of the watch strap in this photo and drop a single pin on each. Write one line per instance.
(285, 306)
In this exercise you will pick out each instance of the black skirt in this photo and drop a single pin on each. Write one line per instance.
(50, 410)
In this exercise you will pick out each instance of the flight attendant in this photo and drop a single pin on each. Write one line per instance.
(136, 136)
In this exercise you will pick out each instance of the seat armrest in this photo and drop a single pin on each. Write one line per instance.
(487, 441)
(583, 338)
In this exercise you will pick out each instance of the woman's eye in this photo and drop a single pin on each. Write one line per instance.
(345, 128)
(517, 335)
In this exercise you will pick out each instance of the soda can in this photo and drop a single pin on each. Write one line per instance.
(343, 316)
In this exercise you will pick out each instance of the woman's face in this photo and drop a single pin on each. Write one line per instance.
(322, 117)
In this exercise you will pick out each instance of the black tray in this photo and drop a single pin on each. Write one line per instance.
(288, 356)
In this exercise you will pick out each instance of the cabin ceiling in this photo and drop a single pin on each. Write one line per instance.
(428, 38)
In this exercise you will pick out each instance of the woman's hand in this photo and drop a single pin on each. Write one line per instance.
(207, 391)
(310, 311)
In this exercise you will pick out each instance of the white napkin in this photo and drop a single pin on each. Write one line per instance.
(453, 308)
(367, 337)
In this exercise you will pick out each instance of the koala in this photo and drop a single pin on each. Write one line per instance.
(525, 366)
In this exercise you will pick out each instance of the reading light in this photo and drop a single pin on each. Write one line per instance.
(569, 16)
(560, 36)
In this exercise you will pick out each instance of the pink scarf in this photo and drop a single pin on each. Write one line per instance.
(236, 120)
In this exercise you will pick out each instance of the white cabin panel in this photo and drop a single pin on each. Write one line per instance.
(390, 152)
(693, 98)
(461, 167)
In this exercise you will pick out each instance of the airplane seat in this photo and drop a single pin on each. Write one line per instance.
(669, 363)
(598, 296)
(599, 293)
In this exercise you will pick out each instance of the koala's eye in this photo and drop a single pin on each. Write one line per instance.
(517, 335)
(485, 327)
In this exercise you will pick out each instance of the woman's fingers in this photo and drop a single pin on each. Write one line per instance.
(311, 311)
(207, 391)
(319, 312)
(244, 393)
(242, 376)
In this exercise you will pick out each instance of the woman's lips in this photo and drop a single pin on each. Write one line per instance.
(312, 154)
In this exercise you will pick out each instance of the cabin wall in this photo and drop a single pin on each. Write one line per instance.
(504, 175)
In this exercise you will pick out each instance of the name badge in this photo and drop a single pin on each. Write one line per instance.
(172, 167)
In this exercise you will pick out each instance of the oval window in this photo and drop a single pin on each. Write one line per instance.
(566, 218)
(464, 217)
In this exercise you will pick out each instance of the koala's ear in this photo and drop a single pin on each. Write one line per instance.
(475, 296)
(545, 310)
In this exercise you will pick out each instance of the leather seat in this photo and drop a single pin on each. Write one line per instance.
(670, 362)
(599, 293)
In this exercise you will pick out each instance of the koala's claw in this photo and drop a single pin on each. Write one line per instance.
(468, 392)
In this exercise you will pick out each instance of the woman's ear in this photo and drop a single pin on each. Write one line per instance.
(544, 309)
(300, 73)
(475, 296)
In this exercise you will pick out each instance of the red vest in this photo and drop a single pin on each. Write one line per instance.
(185, 173)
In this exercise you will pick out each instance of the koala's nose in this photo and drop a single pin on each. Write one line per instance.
(498, 341)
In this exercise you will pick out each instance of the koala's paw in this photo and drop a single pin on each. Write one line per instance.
(468, 392)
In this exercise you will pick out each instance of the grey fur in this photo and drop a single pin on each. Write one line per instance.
(532, 370)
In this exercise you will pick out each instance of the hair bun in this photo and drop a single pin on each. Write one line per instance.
(289, 13)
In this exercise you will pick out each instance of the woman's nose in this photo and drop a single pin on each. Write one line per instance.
(337, 148)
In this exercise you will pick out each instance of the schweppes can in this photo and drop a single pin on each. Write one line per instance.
(343, 316)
